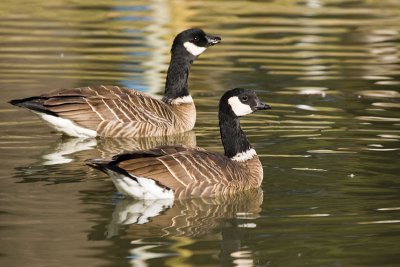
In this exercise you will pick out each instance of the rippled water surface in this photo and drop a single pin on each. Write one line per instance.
(329, 147)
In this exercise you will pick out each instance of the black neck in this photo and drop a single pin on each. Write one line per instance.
(176, 84)
(233, 138)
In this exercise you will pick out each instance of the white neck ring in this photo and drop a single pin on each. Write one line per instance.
(182, 100)
(244, 156)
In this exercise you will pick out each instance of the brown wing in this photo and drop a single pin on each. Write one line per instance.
(91, 106)
(188, 171)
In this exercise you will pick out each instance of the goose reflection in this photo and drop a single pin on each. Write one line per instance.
(186, 217)
(107, 147)
(181, 222)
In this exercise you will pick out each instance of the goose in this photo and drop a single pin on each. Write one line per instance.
(178, 172)
(114, 111)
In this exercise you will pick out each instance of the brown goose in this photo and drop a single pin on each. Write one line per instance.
(114, 111)
(184, 172)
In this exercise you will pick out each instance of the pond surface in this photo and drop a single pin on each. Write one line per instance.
(330, 146)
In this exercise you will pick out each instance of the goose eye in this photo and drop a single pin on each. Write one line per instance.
(245, 98)
(196, 38)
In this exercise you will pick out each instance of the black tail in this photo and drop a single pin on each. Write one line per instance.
(98, 164)
(104, 165)
(35, 103)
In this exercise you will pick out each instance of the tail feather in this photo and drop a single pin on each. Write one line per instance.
(131, 185)
(105, 165)
(35, 103)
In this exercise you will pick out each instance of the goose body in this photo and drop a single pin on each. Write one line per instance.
(113, 111)
(185, 172)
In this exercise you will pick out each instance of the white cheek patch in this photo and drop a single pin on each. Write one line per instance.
(182, 100)
(244, 156)
(194, 49)
(238, 107)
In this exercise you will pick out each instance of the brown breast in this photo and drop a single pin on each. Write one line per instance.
(185, 117)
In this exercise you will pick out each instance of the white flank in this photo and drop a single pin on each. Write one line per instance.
(182, 100)
(143, 188)
(67, 126)
(243, 156)
(238, 107)
(194, 49)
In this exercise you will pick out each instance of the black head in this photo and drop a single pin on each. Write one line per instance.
(234, 104)
(194, 41)
(240, 102)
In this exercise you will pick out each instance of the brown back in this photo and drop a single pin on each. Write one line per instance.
(118, 111)
(192, 172)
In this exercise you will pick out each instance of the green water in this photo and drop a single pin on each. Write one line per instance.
(329, 147)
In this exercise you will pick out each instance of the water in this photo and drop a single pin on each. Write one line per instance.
(329, 147)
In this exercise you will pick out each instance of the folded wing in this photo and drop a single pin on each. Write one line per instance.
(187, 171)
(99, 108)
